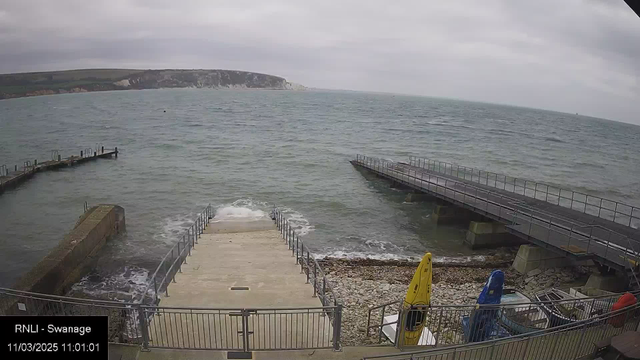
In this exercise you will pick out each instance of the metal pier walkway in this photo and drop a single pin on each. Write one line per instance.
(568, 222)
(10, 179)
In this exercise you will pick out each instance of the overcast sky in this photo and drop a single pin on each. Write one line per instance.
(571, 55)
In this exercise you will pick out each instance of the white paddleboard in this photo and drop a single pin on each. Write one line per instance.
(389, 330)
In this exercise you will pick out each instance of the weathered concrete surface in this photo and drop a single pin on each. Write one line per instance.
(610, 283)
(450, 215)
(257, 259)
(489, 235)
(226, 257)
(76, 254)
(531, 257)
(347, 353)
(414, 196)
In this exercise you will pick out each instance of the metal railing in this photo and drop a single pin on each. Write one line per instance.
(191, 328)
(445, 322)
(544, 227)
(322, 287)
(567, 342)
(612, 210)
(124, 318)
(172, 262)
(243, 329)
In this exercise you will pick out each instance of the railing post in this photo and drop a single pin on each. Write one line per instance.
(337, 327)
(301, 258)
(179, 255)
(399, 340)
(143, 328)
(315, 280)
(155, 290)
(308, 264)
(324, 289)
(296, 249)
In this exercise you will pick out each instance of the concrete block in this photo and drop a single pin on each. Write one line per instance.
(478, 227)
(531, 257)
(610, 283)
(489, 234)
(417, 197)
(450, 215)
(77, 252)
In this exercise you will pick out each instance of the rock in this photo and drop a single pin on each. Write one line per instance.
(365, 284)
(534, 272)
(550, 271)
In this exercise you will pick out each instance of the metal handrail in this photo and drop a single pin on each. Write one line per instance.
(567, 303)
(143, 324)
(470, 192)
(630, 311)
(538, 188)
(171, 263)
(322, 287)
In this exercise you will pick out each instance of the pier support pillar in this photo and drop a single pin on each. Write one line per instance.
(489, 235)
(531, 257)
(445, 214)
(611, 283)
(414, 196)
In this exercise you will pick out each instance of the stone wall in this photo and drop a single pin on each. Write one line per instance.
(76, 254)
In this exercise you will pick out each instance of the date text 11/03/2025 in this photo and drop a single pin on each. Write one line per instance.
(45, 336)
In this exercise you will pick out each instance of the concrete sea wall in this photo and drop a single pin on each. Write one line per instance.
(76, 254)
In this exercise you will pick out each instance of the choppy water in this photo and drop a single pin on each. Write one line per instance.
(243, 151)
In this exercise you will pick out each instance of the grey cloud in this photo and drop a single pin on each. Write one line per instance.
(575, 55)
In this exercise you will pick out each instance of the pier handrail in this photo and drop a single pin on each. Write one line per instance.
(470, 192)
(322, 287)
(539, 191)
(489, 349)
(172, 262)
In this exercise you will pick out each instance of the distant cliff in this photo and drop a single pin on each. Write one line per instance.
(61, 82)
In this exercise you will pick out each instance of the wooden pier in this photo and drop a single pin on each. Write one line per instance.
(12, 177)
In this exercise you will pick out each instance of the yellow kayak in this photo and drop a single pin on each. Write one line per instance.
(418, 295)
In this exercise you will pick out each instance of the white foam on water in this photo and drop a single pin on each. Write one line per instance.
(174, 226)
(233, 213)
(242, 210)
(459, 259)
(381, 245)
(253, 210)
(298, 222)
(353, 255)
(128, 284)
